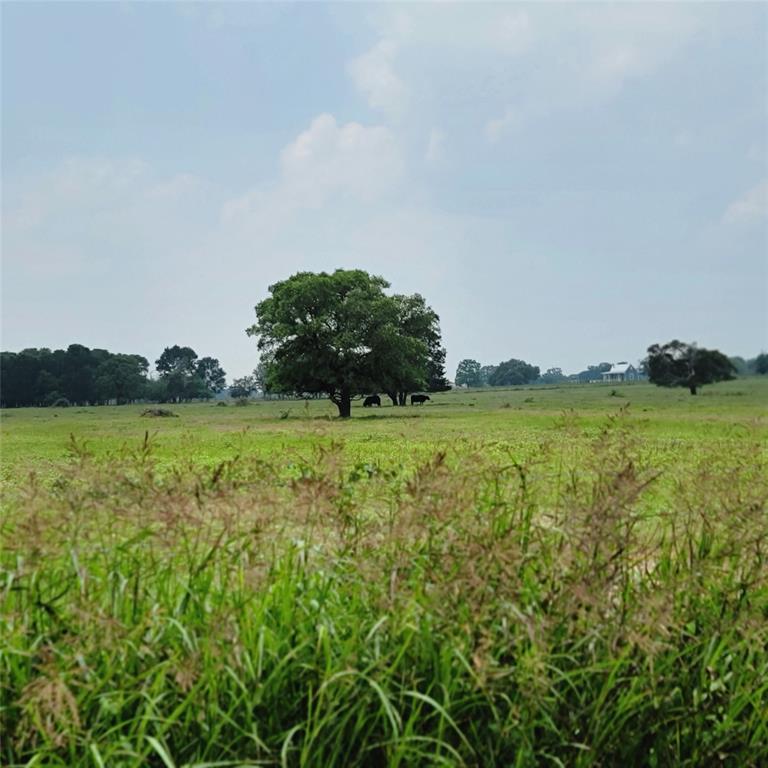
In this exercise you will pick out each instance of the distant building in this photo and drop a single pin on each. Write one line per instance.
(622, 372)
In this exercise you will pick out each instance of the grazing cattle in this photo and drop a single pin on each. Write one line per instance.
(371, 400)
(419, 399)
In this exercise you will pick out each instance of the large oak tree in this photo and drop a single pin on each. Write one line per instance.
(342, 335)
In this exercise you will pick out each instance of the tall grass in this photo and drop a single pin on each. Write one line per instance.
(577, 606)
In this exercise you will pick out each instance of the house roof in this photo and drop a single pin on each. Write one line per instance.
(619, 368)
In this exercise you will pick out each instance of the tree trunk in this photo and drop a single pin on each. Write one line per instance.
(343, 401)
(345, 404)
(393, 397)
(692, 387)
(402, 398)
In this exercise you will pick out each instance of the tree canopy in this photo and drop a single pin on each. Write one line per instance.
(243, 387)
(468, 374)
(77, 376)
(185, 377)
(677, 364)
(513, 372)
(342, 335)
(416, 320)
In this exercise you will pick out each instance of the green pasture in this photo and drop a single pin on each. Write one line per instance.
(38, 439)
(566, 576)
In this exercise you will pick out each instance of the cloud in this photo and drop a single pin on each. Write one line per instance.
(351, 158)
(325, 163)
(751, 206)
(538, 60)
(373, 74)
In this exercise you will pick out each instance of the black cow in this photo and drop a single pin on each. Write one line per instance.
(371, 400)
(419, 399)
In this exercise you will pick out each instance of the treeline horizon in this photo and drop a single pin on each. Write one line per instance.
(78, 375)
(41, 377)
(471, 373)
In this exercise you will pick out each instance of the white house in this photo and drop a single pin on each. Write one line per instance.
(621, 372)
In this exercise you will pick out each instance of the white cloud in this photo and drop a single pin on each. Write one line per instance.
(543, 59)
(751, 206)
(351, 158)
(496, 129)
(374, 75)
(328, 162)
(435, 151)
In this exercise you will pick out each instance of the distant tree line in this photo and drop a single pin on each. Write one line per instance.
(506, 374)
(82, 376)
(673, 364)
(757, 365)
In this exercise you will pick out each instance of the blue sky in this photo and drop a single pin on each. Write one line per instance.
(564, 183)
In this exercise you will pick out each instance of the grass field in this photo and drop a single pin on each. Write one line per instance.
(533, 576)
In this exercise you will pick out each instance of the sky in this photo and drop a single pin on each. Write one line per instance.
(564, 183)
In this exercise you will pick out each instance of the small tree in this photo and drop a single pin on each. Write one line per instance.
(761, 363)
(513, 372)
(468, 374)
(553, 376)
(677, 364)
(186, 377)
(242, 387)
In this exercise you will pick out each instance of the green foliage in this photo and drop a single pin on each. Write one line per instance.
(186, 378)
(242, 387)
(468, 374)
(741, 366)
(436, 377)
(553, 376)
(513, 372)
(677, 364)
(176, 359)
(81, 375)
(212, 375)
(486, 372)
(340, 334)
(418, 321)
(761, 364)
